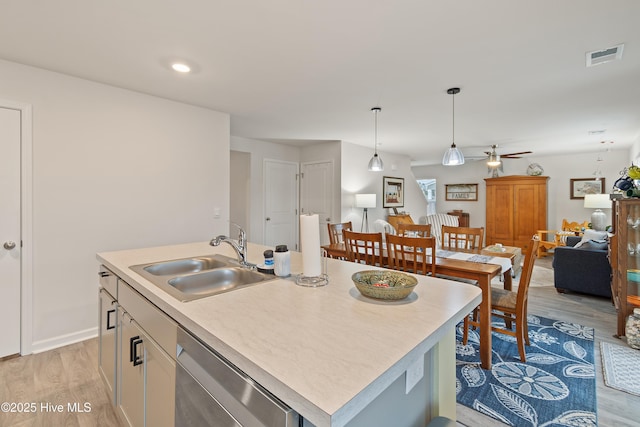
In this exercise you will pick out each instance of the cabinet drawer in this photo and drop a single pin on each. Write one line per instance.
(108, 280)
(154, 322)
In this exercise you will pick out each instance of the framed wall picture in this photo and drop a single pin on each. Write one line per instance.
(461, 192)
(580, 186)
(392, 192)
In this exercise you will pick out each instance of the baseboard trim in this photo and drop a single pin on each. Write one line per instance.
(62, 340)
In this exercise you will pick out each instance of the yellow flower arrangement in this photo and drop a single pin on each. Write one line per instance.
(634, 172)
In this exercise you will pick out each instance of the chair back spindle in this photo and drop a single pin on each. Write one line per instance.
(414, 230)
(412, 254)
(462, 237)
(364, 248)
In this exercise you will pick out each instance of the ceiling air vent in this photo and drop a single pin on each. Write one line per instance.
(598, 57)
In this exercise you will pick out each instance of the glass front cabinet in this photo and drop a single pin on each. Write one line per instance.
(625, 259)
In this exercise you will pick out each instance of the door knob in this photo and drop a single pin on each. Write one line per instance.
(268, 219)
(328, 219)
(8, 245)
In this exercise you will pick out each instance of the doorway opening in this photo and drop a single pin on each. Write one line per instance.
(428, 187)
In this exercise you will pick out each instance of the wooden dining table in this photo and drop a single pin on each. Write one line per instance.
(479, 272)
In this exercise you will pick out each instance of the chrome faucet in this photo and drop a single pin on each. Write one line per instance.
(240, 246)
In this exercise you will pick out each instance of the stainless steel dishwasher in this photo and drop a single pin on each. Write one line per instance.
(210, 391)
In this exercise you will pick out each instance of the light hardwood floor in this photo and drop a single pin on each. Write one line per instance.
(63, 376)
(69, 374)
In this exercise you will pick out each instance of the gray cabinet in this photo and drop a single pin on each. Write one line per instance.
(136, 356)
(108, 330)
(107, 344)
(131, 375)
(147, 371)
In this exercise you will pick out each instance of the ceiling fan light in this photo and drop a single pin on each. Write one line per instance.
(494, 159)
(453, 156)
(375, 164)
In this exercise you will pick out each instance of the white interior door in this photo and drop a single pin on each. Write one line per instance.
(317, 194)
(10, 231)
(281, 204)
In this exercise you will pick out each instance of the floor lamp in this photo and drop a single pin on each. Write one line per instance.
(365, 201)
(597, 202)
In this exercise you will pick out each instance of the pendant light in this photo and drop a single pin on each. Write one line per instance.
(375, 164)
(453, 156)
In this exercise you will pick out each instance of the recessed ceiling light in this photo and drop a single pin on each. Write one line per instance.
(180, 67)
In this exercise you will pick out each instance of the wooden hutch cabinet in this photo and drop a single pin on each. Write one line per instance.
(625, 258)
(516, 209)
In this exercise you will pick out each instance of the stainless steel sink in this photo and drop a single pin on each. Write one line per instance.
(218, 280)
(188, 279)
(184, 266)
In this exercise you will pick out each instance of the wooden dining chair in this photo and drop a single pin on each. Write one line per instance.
(570, 229)
(412, 254)
(437, 221)
(364, 248)
(511, 306)
(335, 231)
(548, 241)
(414, 230)
(462, 237)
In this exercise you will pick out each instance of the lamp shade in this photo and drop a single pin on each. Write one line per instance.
(365, 200)
(376, 164)
(453, 157)
(597, 201)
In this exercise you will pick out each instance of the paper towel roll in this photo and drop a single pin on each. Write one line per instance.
(310, 245)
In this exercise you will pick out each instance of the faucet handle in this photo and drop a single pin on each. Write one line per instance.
(242, 236)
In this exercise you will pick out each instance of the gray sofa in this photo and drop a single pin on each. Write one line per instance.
(585, 269)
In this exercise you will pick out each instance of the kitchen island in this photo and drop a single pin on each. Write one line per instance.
(335, 357)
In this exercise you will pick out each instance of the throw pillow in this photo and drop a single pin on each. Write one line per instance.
(598, 236)
(593, 245)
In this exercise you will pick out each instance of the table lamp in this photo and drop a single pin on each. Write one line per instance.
(365, 201)
(597, 202)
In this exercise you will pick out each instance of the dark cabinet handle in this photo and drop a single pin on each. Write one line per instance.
(132, 347)
(133, 351)
(109, 325)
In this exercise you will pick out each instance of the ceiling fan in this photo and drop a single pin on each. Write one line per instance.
(494, 160)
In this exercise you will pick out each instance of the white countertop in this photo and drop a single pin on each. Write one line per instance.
(326, 352)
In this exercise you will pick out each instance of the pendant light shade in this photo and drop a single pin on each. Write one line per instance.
(375, 164)
(453, 156)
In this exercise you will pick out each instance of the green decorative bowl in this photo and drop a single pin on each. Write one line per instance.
(385, 285)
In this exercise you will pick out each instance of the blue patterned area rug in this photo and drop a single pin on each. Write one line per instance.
(556, 387)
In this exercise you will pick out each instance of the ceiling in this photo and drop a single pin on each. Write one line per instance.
(294, 71)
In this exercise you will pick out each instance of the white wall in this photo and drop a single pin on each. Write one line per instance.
(560, 170)
(357, 179)
(112, 169)
(240, 189)
(634, 153)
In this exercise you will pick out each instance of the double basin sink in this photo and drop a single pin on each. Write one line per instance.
(188, 279)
